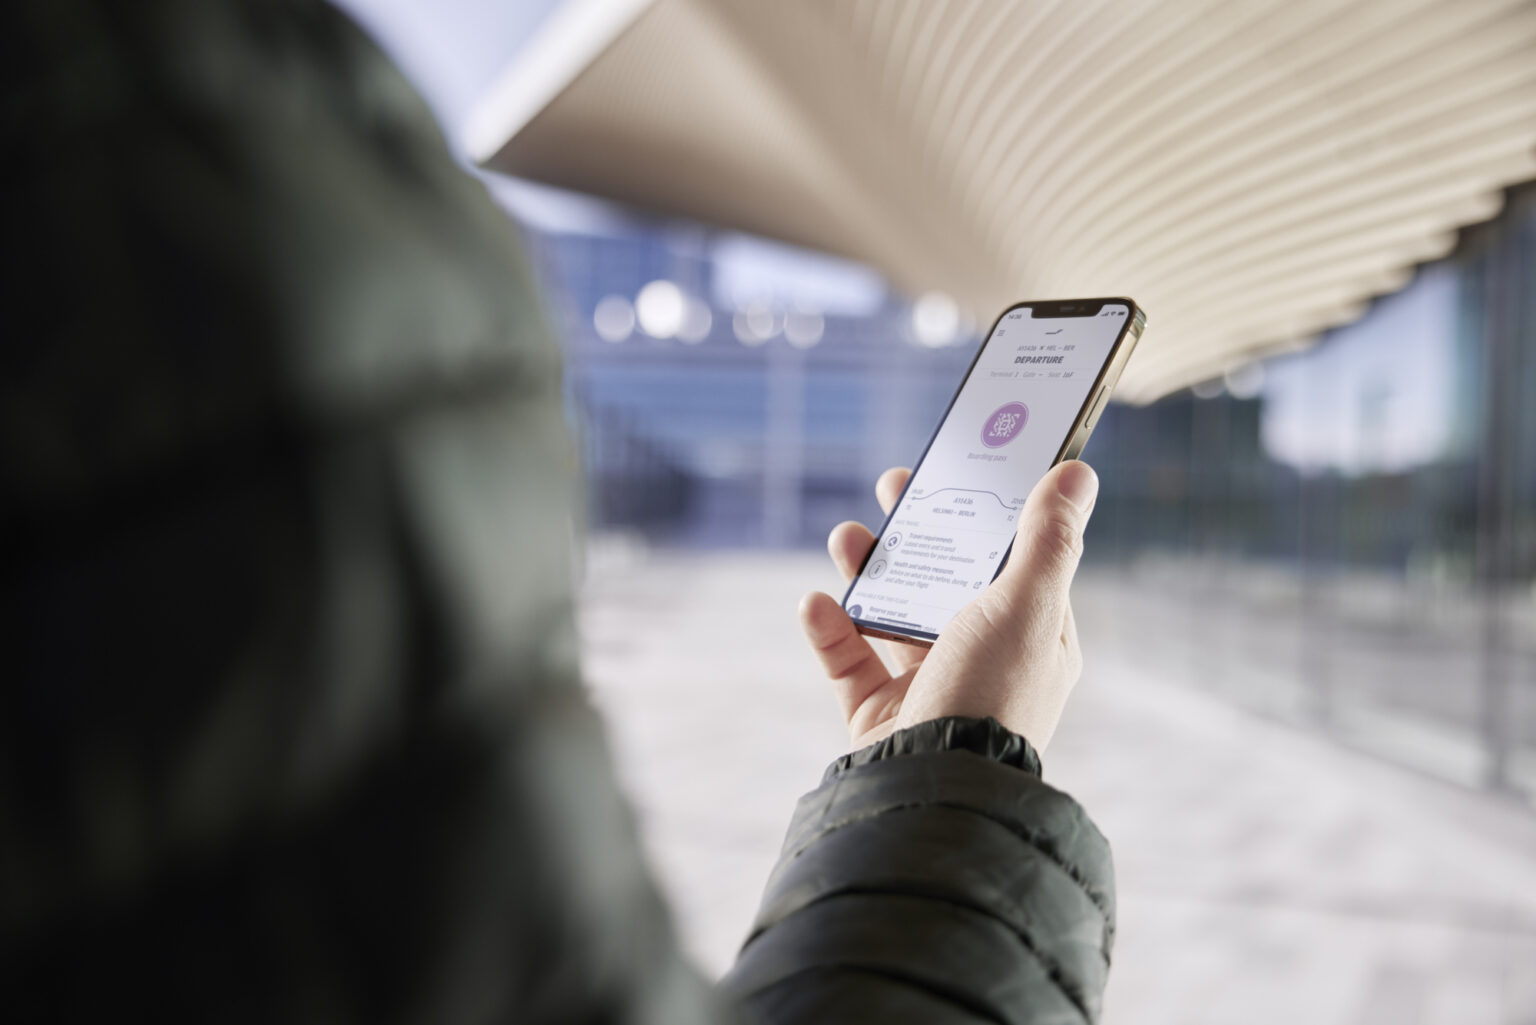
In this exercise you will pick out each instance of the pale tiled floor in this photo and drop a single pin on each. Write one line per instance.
(1266, 875)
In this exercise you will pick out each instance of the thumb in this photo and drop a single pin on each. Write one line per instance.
(1049, 543)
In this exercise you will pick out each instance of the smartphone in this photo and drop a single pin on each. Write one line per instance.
(1029, 400)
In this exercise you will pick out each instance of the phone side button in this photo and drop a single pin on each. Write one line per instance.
(1098, 407)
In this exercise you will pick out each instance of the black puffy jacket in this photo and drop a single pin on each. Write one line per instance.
(291, 726)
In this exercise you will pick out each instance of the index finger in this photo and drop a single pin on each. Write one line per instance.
(889, 487)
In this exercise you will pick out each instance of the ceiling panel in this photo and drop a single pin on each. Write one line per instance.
(1252, 173)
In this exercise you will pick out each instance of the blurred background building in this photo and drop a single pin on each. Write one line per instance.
(1311, 576)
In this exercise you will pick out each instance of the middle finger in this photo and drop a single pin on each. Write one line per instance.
(848, 544)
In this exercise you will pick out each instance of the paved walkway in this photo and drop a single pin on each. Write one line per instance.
(1265, 875)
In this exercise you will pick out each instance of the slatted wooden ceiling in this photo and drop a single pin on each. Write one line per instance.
(1253, 173)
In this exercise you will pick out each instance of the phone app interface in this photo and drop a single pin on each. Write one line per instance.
(952, 528)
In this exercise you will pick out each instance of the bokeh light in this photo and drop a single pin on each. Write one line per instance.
(661, 309)
(935, 320)
(614, 318)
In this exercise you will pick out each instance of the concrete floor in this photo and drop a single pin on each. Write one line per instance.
(1266, 874)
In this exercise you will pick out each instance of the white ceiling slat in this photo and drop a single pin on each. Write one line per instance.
(1288, 195)
(1310, 259)
(980, 62)
(957, 26)
(1219, 158)
(1158, 126)
(1000, 122)
(1253, 173)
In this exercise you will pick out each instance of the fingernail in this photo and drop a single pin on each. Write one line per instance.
(1078, 484)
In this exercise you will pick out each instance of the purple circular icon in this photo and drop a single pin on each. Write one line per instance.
(1005, 424)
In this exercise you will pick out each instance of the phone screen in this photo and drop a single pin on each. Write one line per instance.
(950, 531)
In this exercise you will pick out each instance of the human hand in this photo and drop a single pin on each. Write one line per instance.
(1012, 653)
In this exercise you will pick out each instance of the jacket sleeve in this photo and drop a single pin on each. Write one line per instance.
(291, 727)
(933, 877)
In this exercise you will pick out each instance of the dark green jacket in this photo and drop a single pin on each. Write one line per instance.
(291, 725)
